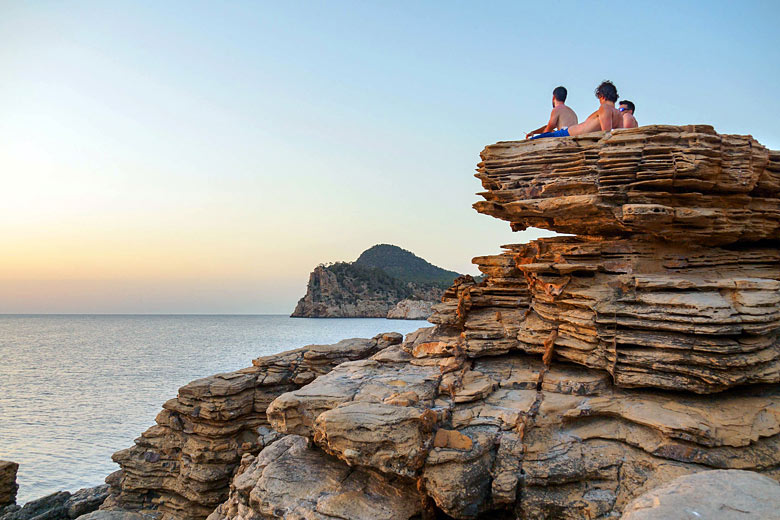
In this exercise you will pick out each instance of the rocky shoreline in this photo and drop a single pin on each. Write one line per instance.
(631, 369)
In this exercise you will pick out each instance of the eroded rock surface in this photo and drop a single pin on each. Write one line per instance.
(582, 372)
(678, 183)
(725, 495)
(411, 310)
(507, 431)
(182, 466)
(290, 480)
(653, 314)
(8, 486)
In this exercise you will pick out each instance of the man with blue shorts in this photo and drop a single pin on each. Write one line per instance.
(604, 119)
(561, 115)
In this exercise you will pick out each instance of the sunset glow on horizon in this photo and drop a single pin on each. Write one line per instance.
(202, 158)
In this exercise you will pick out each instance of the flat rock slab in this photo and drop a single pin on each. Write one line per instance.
(720, 494)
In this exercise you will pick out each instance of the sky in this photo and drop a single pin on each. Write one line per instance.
(204, 157)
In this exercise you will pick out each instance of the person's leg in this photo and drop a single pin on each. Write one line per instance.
(563, 132)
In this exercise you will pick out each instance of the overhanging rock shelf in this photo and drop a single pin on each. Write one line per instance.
(583, 371)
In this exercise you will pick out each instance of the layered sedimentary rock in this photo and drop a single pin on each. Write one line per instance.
(8, 486)
(725, 495)
(291, 480)
(582, 371)
(678, 183)
(652, 314)
(507, 432)
(182, 466)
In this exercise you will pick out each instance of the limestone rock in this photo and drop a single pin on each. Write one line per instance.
(8, 486)
(59, 506)
(117, 515)
(354, 291)
(183, 465)
(290, 480)
(50, 507)
(330, 296)
(411, 310)
(552, 442)
(721, 494)
(578, 374)
(677, 183)
(85, 501)
(652, 314)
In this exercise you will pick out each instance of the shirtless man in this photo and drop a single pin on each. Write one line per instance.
(627, 109)
(561, 115)
(604, 119)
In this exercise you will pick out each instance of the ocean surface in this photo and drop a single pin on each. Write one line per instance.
(76, 388)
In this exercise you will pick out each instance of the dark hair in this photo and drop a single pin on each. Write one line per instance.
(607, 90)
(628, 104)
(560, 94)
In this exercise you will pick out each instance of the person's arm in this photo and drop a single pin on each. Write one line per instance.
(605, 119)
(549, 127)
(534, 132)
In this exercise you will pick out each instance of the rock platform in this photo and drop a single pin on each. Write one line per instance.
(583, 372)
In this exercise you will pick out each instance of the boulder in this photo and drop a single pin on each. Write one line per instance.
(50, 507)
(291, 480)
(8, 486)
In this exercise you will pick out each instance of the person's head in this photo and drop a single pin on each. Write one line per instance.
(607, 92)
(627, 106)
(559, 94)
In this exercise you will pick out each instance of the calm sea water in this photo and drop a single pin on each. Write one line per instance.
(75, 389)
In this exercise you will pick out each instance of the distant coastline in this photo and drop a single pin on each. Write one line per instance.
(385, 281)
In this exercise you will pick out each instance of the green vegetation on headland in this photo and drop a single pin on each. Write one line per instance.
(405, 266)
(380, 278)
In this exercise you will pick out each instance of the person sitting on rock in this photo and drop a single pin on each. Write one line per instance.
(561, 115)
(627, 109)
(605, 118)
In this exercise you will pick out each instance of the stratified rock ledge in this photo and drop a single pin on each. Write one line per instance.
(579, 374)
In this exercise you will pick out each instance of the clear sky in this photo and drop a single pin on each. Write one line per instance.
(203, 157)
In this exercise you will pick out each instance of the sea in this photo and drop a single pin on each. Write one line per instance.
(76, 388)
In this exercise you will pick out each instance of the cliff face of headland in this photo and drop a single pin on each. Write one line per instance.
(385, 281)
(581, 373)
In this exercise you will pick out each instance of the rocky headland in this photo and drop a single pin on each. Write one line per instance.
(384, 282)
(630, 367)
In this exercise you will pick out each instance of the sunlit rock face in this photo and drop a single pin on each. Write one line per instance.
(582, 372)
(8, 486)
(677, 183)
(181, 467)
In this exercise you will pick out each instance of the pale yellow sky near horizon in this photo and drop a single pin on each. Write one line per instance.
(203, 158)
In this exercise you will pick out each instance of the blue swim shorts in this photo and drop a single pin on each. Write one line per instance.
(563, 132)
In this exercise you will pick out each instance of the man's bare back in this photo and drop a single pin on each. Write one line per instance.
(561, 115)
(606, 118)
(564, 116)
(629, 121)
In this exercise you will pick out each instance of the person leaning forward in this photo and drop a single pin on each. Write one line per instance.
(561, 116)
(606, 118)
